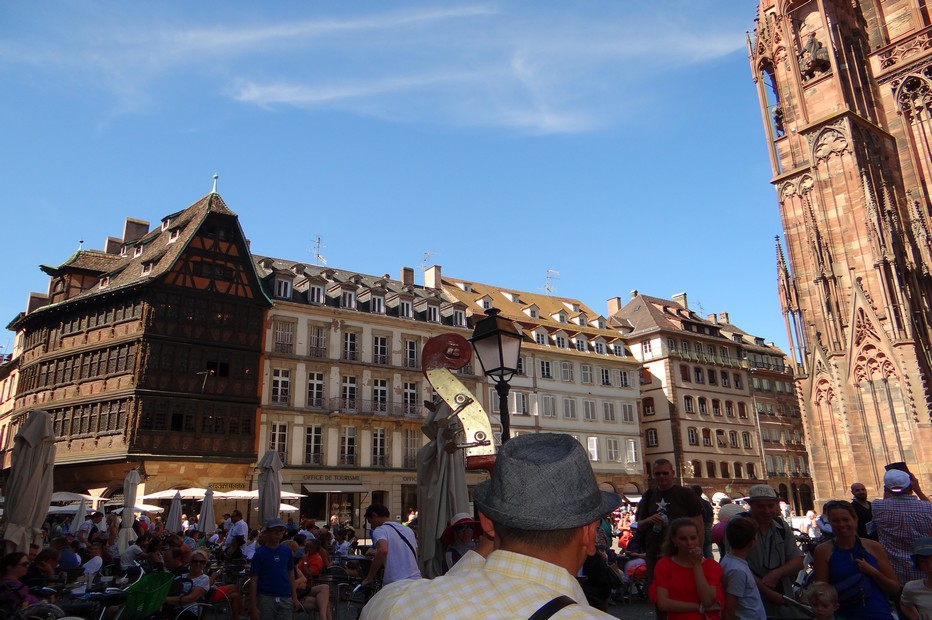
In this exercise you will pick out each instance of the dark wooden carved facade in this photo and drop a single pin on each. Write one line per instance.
(152, 351)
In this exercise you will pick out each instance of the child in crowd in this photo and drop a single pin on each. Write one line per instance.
(823, 598)
(742, 598)
(916, 602)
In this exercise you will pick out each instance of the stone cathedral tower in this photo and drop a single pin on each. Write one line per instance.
(846, 98)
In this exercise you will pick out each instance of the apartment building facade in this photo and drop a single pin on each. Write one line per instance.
(576, 376)
(696, 402)
(776, 406)
(343, 389)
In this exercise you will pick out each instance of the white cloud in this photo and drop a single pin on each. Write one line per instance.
(539, 71)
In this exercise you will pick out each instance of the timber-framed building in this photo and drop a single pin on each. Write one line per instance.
(147, 355)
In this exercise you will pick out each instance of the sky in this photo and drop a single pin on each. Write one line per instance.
(616, 145)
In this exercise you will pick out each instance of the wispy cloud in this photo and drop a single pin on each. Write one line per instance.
(540, 71)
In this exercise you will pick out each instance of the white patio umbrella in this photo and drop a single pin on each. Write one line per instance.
(207, 522)
(288, 508)
(126, 535)
(189, 493)
(173, 520)
(270, 487)
(29, 487)
(67, 496)
(141, 508)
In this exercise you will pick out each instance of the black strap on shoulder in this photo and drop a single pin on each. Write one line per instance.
(551, 607)
(402, 537)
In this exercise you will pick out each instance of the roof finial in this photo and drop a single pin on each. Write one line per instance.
(214, 190)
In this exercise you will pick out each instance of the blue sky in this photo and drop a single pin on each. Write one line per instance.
(617, 143)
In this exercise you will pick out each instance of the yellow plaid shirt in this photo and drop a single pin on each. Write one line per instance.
(508, 586)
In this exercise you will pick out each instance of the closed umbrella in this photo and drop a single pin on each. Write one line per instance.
(270, 487)
(29, 488)
(79, 517)
(441, 488)
(207, 522)
(173, 520)
(126, 535)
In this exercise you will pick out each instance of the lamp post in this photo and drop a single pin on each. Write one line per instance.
(497, 342)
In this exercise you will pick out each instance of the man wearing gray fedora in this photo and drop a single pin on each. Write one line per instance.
(541, 506)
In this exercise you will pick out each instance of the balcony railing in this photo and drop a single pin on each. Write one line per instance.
(350, 355)
(284, 347)
(318, 351)
(380, 359)
(379, 460)
(313, 458)
(411, 362)
(347, 459)
(375, 407)
(409, 461)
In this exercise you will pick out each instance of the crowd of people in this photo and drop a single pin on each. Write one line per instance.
(544, 543)
(226, 562)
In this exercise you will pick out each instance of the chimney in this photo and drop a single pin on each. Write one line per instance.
(614, 305)
(712, 318)
(134, 229)
(432, 277)
(723, 318)
(634, 293)
(113, 245)
(407, 276)
(680, 298)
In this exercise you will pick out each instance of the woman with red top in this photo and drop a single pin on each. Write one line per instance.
(686, 585)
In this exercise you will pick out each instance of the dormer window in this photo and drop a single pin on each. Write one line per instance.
(582, 320)
(138, 251)
(315, 294)
(600, 323)
(433, 314)
(618, 350)
(104, 281)
(485, 302)
(283, 289)
(348, 300)
(459, 318)
(377, 305)
(405, 310)
(599, 348)
(123, 251)
(166, 223)
(540, 338)
(173, 235)
(147, 268)
(560, 342)
(561, 317)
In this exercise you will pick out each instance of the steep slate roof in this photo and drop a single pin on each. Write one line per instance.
(548, 305)
(125, 271)
(342, 276)
(646, 313)
(650, 314)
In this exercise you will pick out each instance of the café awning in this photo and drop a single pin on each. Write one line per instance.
(347, 487)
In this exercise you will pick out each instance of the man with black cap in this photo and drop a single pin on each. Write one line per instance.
(541, 507)
(900, 519)
(776, 559)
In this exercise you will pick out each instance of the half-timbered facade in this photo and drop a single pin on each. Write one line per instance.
(147, 354)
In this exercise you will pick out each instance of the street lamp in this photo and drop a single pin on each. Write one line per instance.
(497, 342)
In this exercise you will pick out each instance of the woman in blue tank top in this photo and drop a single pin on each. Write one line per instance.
(858, 568)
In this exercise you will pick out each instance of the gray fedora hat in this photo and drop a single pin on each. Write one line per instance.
(543, 481)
